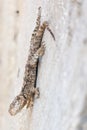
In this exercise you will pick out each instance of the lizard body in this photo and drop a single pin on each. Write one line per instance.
(29, 91)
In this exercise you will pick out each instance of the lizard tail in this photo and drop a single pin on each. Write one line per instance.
(51, 32)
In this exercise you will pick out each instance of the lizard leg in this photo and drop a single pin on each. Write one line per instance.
(30, 101)
(37, 93)
(39, 53)
(37, 22)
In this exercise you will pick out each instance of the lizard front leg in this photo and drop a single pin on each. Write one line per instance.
(35, 93)
(39, 53)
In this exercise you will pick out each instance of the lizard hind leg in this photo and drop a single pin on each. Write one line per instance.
(39, 53)
(38, 17)
(37, 21)
(35, 94)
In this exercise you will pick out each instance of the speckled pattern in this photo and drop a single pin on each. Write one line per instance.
(28, 92)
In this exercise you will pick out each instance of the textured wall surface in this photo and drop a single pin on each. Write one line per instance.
(62, 73)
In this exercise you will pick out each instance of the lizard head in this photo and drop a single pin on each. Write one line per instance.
(17, 104)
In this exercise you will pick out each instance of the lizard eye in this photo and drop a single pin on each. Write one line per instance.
(17, 104)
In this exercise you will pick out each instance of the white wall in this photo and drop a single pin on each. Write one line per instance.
(62, 76)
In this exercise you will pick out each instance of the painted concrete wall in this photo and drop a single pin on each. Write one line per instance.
(62, 74)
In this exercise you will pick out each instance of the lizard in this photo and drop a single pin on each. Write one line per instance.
(29, 92)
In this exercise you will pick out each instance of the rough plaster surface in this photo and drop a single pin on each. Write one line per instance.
(62, 74)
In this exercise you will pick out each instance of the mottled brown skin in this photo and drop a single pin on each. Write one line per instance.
(29, 92)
